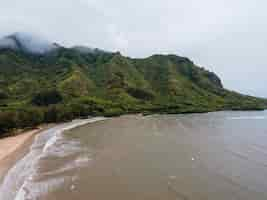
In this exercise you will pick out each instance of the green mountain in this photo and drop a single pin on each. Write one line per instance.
(66, 83)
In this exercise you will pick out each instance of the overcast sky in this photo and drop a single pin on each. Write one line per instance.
(228, 37)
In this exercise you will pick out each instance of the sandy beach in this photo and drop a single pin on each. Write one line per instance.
(15, 147)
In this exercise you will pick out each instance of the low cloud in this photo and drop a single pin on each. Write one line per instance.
(228, 37)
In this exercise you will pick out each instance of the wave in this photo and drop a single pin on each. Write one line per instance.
(247, 118)
(27, 180)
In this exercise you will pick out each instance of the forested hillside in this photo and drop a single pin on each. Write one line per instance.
(67, 83)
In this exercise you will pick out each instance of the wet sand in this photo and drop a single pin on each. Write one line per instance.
(19, 166)
(15, 147)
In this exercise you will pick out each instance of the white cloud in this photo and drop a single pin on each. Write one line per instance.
(226, 36)
(118, 38)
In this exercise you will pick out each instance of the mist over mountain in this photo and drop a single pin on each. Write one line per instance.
(86, 50)
(39, 86)
(34, 44)
(26, 42)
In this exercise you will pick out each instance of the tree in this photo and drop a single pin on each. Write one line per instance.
(47, 97)
(30, 117)
(3, 95)
(8, 121)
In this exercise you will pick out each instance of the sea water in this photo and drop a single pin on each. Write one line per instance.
(221, 155)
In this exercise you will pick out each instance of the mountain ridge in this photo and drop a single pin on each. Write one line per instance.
(69, 82)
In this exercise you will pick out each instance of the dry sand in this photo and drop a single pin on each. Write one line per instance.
(14, 148)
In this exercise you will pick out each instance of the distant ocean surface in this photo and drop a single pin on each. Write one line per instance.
(212, 156)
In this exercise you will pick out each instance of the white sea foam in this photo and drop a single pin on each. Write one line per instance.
(83, 160)
(20, 182)
(31, 190)
(52, 141)
(247, 118)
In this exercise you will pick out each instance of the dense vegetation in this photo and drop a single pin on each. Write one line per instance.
(69, 83)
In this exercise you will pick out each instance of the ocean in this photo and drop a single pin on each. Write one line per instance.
(219, 155)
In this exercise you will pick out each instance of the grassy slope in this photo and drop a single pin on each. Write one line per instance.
(110, 84)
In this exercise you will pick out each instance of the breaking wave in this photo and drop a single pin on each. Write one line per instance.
(247, 118)
(28, 180)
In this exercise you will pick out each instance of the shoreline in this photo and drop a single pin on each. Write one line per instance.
(14, 148)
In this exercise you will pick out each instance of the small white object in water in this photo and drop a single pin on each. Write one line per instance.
(193, 159)
(30, 178)
(82, 160)
(172, 177)
(72, 187)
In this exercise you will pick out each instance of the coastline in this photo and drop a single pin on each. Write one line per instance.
(14, 148)
(113, 156)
